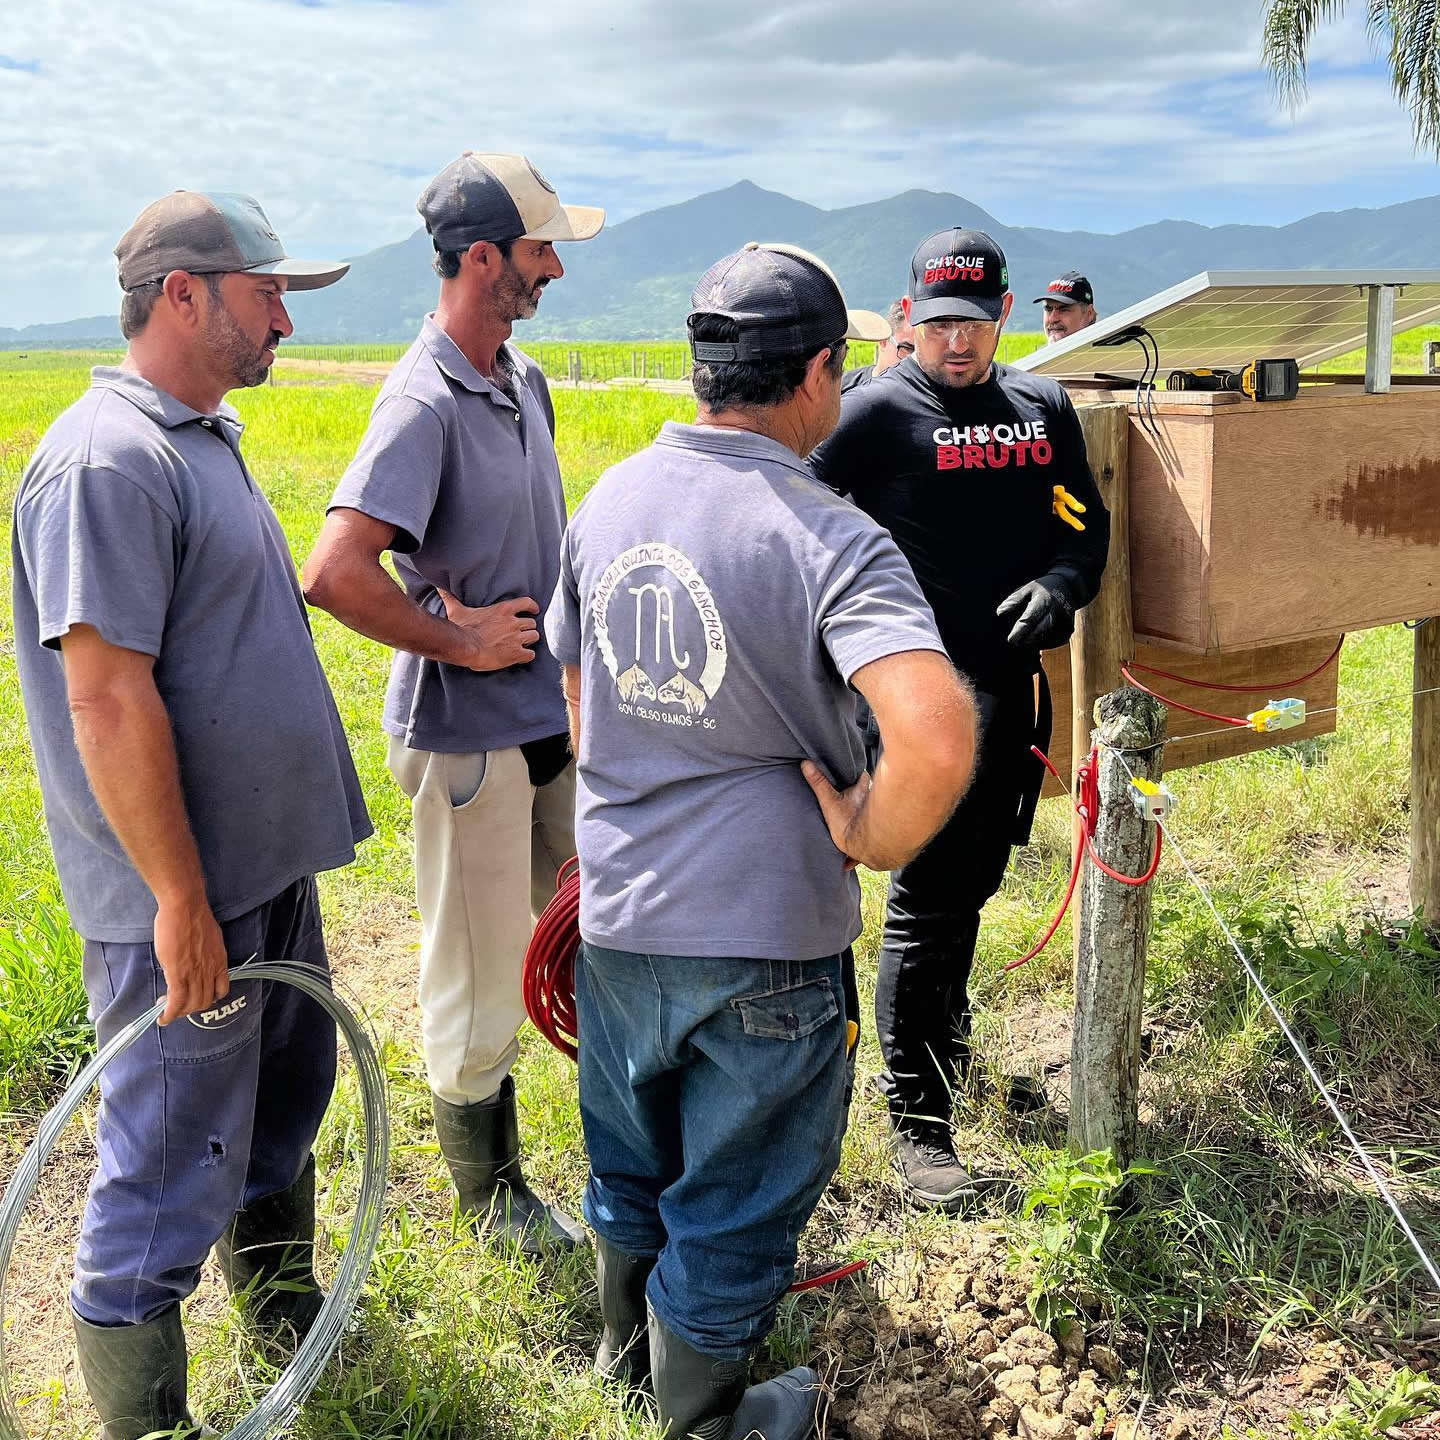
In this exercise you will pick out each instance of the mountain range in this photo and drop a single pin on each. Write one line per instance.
(633, 281)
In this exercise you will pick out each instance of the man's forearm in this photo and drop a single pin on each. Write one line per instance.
(570, 684)
(905, 809)
(924, 768)
(128, 751)
(367, 600)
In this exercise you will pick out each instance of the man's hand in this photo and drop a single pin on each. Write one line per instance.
(191, 952)
(841, 809)
(1042, 612)
(500, 635)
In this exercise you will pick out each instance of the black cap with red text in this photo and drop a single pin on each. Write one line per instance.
(1071, 288)
(959, 275)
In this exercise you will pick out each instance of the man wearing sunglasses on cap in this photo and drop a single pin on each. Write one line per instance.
(888, 353)
(979, 472)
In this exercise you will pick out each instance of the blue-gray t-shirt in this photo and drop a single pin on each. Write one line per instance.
(467, 475)
(138, 516)
(718, 600)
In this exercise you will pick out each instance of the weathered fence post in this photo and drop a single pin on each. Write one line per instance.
(1425, 776)
(1111, 934)
(634, 363)
(573, 366)
(1104, 638)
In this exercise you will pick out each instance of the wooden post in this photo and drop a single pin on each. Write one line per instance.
(574, 366)
(634, 363)
(1104, 639)
(1425, 777)
(1111, 935)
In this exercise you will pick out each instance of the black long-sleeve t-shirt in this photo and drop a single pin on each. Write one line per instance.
(964, 479)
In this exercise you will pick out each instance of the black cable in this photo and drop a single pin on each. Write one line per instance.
(1145, 386)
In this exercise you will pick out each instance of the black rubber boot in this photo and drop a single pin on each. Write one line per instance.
(273, 1241)
(481, 1145)
(624, 1352)
(136, 1375)
(931, 1173)
(707, 1398)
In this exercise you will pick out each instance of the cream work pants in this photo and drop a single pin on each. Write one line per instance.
(487, 846)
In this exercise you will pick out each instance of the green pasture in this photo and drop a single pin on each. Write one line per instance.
(1256, 1231)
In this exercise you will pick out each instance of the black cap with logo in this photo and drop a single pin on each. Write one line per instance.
(1071, 288)
(958, 275)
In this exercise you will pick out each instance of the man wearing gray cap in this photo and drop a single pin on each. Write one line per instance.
(196, 777)
(715, 607)
(457, 478)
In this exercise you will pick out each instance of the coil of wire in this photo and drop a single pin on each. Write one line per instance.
(549, 976)
(281, 1402)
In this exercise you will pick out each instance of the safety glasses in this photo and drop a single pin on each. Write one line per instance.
(947, 330)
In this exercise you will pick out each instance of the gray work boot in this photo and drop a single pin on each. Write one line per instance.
(267, 1256)
(624, 1352)
(931, 1173)
(136, 1375)
(707, 1398)
(481, 1145)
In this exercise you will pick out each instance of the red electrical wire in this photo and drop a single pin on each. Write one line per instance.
(1030, 954)
(1144, 879)
(829, 1277)
(1180, 705)
(1325, 664)
(548, 983)
(1087, 807)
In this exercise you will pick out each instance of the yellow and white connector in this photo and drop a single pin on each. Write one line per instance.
(1277, 715)
(1153, 799)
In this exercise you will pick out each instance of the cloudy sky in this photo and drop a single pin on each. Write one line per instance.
(1098, 115)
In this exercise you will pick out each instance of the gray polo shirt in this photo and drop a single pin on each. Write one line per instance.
(717, 600)
(467, 474)
(138, 516)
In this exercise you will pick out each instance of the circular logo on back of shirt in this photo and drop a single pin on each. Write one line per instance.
(644, 630)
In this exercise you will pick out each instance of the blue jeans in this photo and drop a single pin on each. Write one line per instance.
(201, 1118)
(713, 1097)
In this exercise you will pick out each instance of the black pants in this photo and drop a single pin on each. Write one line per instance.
(932, 920)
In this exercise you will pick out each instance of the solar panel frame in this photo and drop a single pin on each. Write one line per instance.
(1223, 319)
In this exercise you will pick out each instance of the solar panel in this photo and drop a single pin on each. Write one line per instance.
(1223, 319)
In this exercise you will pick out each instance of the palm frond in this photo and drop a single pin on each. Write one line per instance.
(1407, 31)
(1414, 52)
(1288, 26)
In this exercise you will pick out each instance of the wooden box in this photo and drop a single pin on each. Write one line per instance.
(1257, 524)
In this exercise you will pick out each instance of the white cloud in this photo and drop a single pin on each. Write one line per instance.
(1089, 117)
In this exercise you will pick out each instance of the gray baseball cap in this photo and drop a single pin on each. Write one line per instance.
(500, 197)
(784, 302)
(212, 235)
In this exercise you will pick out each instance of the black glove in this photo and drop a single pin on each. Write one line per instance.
(1043, 613)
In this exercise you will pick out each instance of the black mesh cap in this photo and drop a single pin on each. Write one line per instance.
(784, 302)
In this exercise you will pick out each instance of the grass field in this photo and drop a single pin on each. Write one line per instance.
(1222, 1277)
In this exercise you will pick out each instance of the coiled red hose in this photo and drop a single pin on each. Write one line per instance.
(549, 976)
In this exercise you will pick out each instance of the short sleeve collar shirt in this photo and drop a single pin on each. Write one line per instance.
(466, 472)
(138, 516)
(717, 601)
